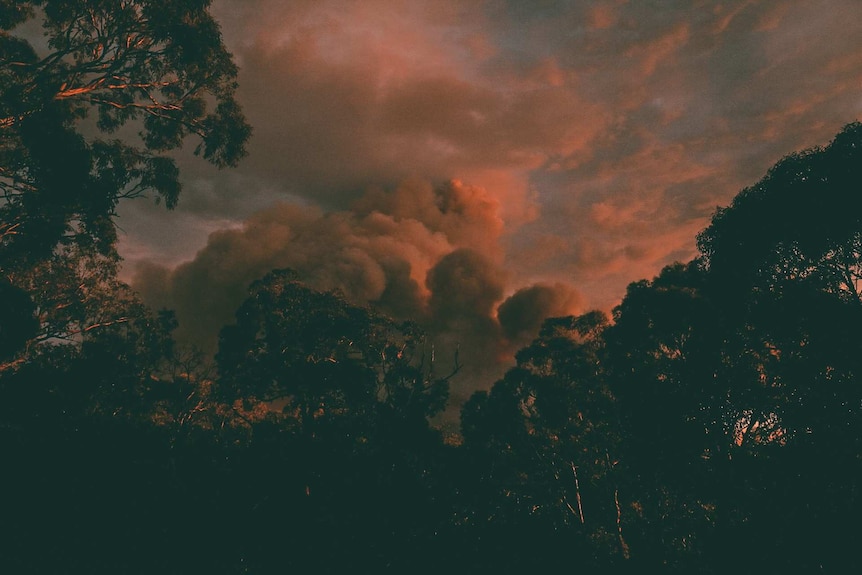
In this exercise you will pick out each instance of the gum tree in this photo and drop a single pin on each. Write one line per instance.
(159, 68)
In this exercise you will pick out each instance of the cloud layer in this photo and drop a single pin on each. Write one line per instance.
(568, 146)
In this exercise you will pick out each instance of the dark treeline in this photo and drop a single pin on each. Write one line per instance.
(711, 425)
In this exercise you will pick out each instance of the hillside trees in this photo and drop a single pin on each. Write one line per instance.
(801, 224)
(783, 263)
(91, 106)
(732, 382)
(716, 416)
(785, 259)
(343, 443)
(158, 69)
(737, 374)
(545, 440)
(322, 355)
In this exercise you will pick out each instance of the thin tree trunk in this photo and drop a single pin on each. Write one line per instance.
(578, 492)
(623, 545)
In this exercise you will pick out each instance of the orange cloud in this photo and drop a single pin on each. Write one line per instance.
(602, 16)
(585, 143)
(658, 51)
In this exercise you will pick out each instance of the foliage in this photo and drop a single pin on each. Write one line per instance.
(718, 415)
(346, 396)
(157, 66)
(319, 353)
(545, 440)
(730, 407)
(800, 224)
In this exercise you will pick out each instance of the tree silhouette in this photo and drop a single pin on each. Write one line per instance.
(86, 383)
(718, 415)
(318, 352)
(783, 263)
(732, 405)
(800, 223)
(545, 443)
(156, 65)
(342, 397)
(18, 323)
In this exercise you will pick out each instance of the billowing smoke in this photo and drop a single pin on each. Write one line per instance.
(522, 314)
(420, 252)
(464, 288)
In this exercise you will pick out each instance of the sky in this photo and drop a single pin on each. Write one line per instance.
(481, 165)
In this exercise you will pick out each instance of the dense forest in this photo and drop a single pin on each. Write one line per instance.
(711, 425)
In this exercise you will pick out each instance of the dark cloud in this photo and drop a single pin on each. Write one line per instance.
(465, 287)
(522, 314)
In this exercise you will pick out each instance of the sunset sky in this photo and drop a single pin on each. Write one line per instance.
(480, 165)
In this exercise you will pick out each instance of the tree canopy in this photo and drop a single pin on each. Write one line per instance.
(713, 424)
(158, 67)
